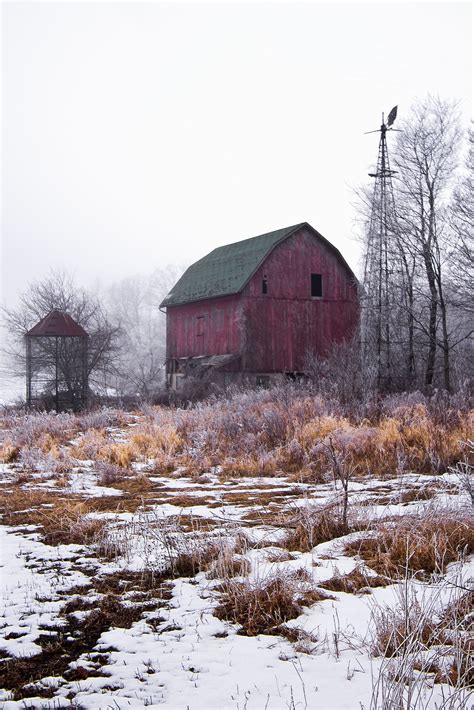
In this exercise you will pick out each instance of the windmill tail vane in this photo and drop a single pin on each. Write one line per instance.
(392, 116)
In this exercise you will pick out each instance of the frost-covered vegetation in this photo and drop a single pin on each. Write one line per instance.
(270, 548)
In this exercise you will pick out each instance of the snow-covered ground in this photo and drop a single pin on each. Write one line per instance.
(155, 639)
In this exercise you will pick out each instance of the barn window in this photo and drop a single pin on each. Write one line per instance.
(200, 323)
(264, 284)
(316, 286)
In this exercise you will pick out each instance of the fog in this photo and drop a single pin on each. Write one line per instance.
(138, 135)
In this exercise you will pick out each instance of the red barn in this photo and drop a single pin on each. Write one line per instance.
(254, 309)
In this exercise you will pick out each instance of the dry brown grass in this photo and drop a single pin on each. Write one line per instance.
(227, 565)
(68, 524)
(9, 453)
(309, 528)
(418, 638)
(460, 612)
(354, 582)
(416, 494)
(137, 484)
(303, 641)
(421, 546)
(194, 560)
(258, 607)
(60, 520)
(261, 606)
(397, 632)
(18, 506)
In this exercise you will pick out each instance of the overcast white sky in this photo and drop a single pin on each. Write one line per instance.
(140, 134)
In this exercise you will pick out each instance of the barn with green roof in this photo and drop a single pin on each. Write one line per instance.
(254, 310)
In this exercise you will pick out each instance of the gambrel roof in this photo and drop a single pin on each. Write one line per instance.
(226, 270)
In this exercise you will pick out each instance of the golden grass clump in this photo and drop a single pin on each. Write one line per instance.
(318, 429)
(153, 442)
(261, 606)
(120, 454)
(258, 607)
(90, 445)
(310, 528)
(354, 582)
(422, 546)
(249, 466)
(9, 453)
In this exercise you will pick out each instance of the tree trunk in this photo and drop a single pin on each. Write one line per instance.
(430, 275)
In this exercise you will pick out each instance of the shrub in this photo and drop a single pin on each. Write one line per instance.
(28, 429)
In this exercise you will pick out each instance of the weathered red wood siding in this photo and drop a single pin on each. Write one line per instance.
(281, 326)
(219, 333)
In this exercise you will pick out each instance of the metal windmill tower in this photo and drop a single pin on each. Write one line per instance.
(379, 266)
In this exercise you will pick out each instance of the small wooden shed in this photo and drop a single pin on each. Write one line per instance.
(253, 310)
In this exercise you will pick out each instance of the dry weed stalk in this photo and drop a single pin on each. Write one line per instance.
(422, 645)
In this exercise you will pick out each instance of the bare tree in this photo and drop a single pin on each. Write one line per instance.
(461, 216)
(426, 158)
(58, 291)
(134, 305)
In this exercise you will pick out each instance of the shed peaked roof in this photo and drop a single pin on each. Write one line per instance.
(59, 324)
(227, 269)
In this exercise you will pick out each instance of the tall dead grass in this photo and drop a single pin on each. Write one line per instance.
(422, 546)
(308, 527)
(260, 606)
(423, 641)
(260, 433)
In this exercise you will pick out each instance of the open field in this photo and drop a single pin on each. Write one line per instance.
(272, 551)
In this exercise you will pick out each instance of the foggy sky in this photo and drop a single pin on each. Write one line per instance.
(136, 135)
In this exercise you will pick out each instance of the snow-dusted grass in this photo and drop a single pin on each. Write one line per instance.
(204, 558)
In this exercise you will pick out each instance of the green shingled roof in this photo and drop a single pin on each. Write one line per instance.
(227, 269)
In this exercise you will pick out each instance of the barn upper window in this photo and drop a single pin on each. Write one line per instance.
(264, 283)
(316, 286)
